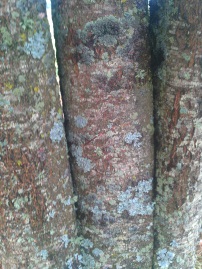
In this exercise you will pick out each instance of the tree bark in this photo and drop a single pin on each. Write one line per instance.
(37, 219)
(103, 57)
(177, 48)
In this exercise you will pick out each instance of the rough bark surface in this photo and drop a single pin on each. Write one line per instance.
(107, 94)
(36, 211)
(177, 63)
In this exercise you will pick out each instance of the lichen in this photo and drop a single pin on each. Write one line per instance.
(97, 252)
(6, 38)
(86, 243)
(133, 138)
(104, 30)
(83, 163)
(18, 92)
(174, 244)
(80, 121)
(65, 239)
(88, 261)
(86, 55)
(165, 258)
(43, 254)
(89, 1)
(57, 132)
(35, 45)
(136, 200)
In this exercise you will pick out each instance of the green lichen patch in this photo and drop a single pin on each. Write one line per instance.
(6, 38)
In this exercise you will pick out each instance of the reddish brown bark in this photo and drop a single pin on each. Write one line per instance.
(37, 220)
(177, 85)
(105, 80)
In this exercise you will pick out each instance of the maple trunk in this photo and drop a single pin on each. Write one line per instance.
(103, 58)
(177, 63)
(37, 219)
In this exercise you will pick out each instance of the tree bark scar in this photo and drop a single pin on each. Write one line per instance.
(175, 112)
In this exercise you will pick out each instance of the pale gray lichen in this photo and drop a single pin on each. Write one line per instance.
(165, 258)
(97, 252)
(174, 244)
(76, 259)
(136, 200)
(139, 258)
(80, 121)
(133, 138)
(43, 254)
(57, 132)
(88, 261)
(65, 239)
(86, 243)
(83, 163)
(144, 186)
(52, 213)
(68, 201)
(35, 45)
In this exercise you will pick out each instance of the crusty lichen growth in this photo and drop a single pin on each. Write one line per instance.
(105, 79)
(36, 210)
(176, 28)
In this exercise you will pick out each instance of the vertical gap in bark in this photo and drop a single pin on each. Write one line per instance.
(50, 21)
(156, 60)
(58, 75)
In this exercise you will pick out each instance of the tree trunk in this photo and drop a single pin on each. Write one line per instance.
(177, 63)
(104, 59)
(37, 219)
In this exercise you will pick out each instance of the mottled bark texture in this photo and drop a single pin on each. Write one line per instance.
(177, 63)
(36, 211)
(105, 81)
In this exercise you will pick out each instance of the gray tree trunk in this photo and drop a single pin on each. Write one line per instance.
(104, 59)
(178, 97)
(37, 219)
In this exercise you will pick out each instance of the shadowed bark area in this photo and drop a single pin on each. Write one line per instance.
(36, 212)
(103, 60)
(177, 59)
